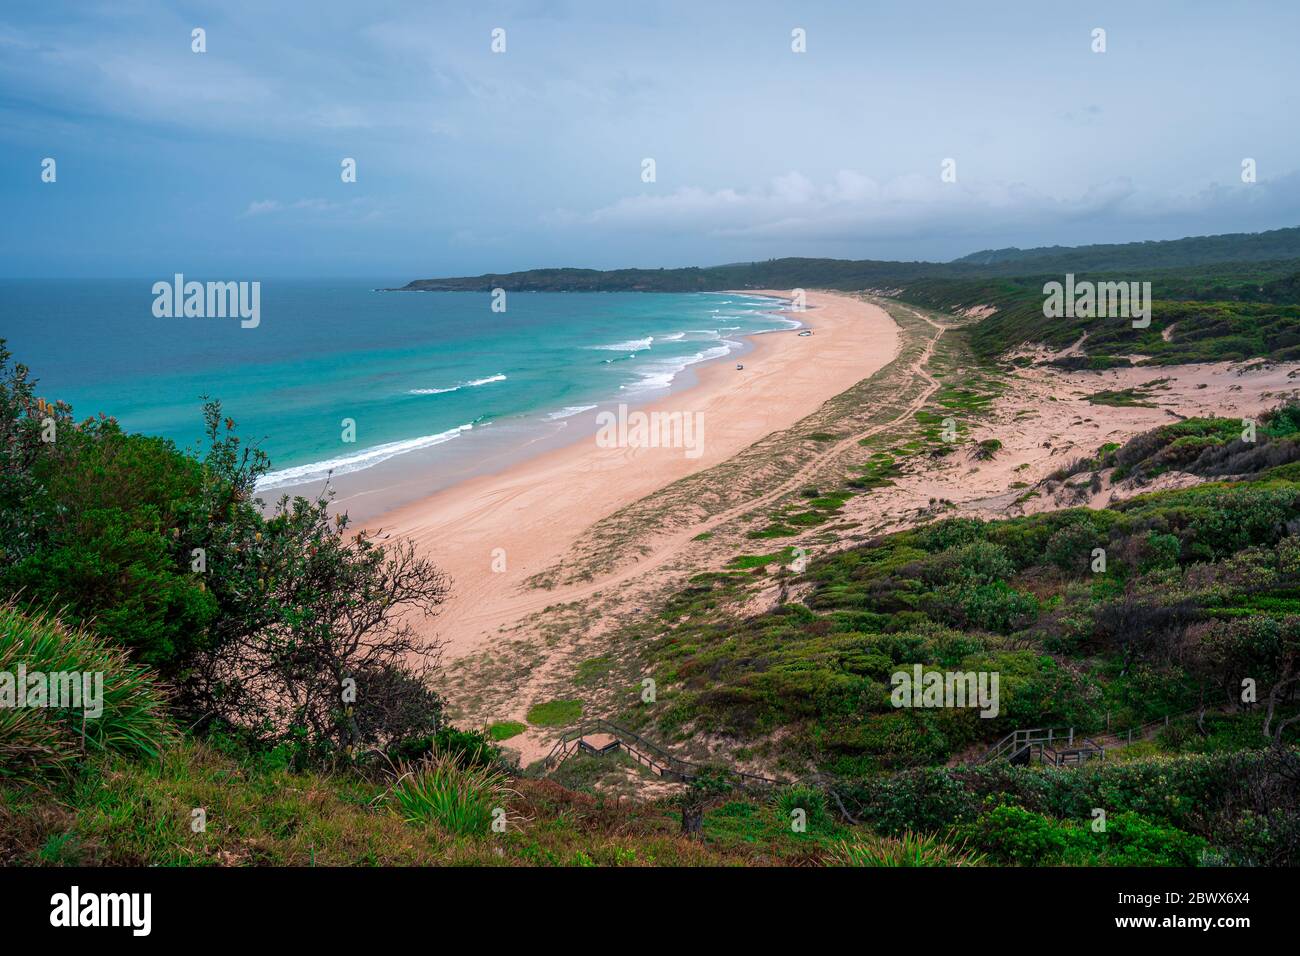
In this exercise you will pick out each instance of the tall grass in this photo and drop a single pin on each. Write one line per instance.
(910, 849)
(808, 799)
(460, 798)
(39, 742)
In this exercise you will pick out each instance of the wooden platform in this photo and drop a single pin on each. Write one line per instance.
(599, 744)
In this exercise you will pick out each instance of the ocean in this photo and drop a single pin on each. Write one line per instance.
(435, 378)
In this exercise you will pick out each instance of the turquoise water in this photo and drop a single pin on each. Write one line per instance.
(413, 370)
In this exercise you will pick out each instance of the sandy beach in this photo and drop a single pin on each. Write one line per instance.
(528, 515)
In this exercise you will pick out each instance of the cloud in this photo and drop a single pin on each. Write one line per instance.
(355, 209)
(851, 206)
(261, 206)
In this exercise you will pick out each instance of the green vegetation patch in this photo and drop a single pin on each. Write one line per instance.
(1134, 397)
(505, 729)
(593, 668)
(747, 561)
(1023, 597)
(555, 713)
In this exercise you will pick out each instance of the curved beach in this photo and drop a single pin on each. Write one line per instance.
(532, 512)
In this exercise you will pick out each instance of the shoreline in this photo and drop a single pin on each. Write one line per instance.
(491, 532)
(404, 478)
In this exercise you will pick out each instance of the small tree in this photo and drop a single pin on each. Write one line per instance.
(287, 627)
(317, 642)
(700, 793)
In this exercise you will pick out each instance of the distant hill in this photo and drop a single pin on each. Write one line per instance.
(1231, 297)
(1277, 244)
(1164, 254)
(769, 274)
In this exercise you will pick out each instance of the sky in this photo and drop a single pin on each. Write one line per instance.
(226, 164)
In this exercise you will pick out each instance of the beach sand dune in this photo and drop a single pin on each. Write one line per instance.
(492, 533)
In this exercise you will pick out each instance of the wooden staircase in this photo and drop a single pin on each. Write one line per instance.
(1059, 747)
(1050, 746)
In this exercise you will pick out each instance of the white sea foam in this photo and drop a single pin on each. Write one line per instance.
(472, 383)
(318, 470)
(568, 411)
(789, 324)
(659, 375)
(632, 345)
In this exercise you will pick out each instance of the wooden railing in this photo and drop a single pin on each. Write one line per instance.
(644, 752)
(1057, 747)
(1017, 741)
(1140, 733)
(1075, 755)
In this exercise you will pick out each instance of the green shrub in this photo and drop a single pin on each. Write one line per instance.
(1011, 834)
(1070, 548)
(172, 558)
(996, 606)
(470, 747)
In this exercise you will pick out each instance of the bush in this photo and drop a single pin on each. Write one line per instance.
(471, 747)
(287, 630)
(92, 524)
(996, 607)
(1011, 834)
(1070, 548)
(976, 562)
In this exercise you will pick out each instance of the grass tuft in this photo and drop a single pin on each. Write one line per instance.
(460, 799)
(910, 849)
(37, 743)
